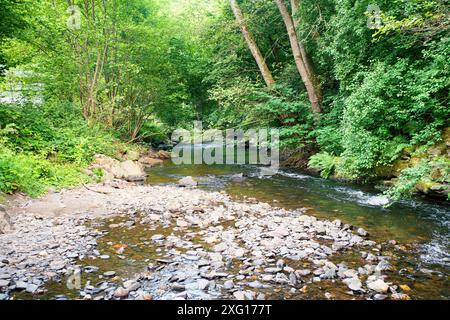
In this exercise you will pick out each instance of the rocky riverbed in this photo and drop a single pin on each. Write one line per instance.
(170, 242)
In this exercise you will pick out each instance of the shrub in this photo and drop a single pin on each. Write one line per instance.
(33, 175)
(324, 162)
(408, 179)
(46, 146)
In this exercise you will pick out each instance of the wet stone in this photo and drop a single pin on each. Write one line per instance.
(32, 288)
(272, 270)
(21, 285)
(353, 284)
(121, 292)
(158, 237)
(239, 295)
(109, 274)
(380, 297)
(228, 285)
(379, 286)
(4, 283)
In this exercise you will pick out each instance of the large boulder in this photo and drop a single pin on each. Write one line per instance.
(149, 162)
(132, 155)
(128, 170)
(5, 221)
(163, 155)
(104, 162)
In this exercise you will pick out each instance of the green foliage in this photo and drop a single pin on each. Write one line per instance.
(33, 174)
(325, 163)
(154, 132)
(47, 146)
(53, 130)
(408, 180)
(143, 68)
(384, 89)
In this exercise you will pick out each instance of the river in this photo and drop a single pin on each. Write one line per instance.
(420, 227)
(421, 224)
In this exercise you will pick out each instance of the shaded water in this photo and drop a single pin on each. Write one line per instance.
(420, 225)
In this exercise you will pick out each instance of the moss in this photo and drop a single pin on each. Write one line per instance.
(424, 185)
(393, 170)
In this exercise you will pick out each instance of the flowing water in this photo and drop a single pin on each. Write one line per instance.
(422, 225)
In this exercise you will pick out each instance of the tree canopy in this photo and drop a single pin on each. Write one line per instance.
(379, 74)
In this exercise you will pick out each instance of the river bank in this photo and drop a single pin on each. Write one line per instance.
(418, 170)
(169, 242)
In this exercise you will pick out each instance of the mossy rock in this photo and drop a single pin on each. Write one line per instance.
(437, 149)
(392, 170)
(432, 188)
(435, 173)
(446, 136)
(424, 186)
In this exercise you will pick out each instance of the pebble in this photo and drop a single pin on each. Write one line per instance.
(21, 285)
(239, 295)
(400, 296)
(267, 277)
(228, 285)
(121, 292)
(272, 270)
(90, 269)
(31, 288)
(182, 223)
(353, 284)
(292, 279)
(261, 296)
(370, 257)
(258, 235)
(280, 264)
(405, 287)
(57, 265)
(256, 285)
(4, 283)
(379, 286)
(380, 297)
(154, 217)
(362, 232)
(109, 274)
(202, 284)
(72, 255)
(157, 237)
(303, 273)
(383, 265)
(131, 285)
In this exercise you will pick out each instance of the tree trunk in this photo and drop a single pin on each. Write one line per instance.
(267, 75)
(313, 95)
(295, 4)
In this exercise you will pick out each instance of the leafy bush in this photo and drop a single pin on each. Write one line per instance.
(33, 174)
(408, 179)
(323, 162)
(329, 139)
(47, 146)
(154, 132)
(53, 130)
